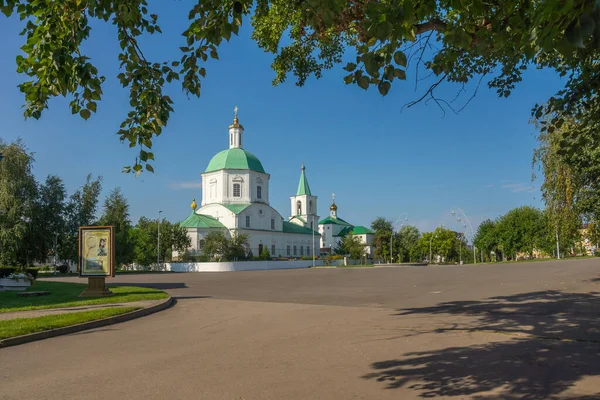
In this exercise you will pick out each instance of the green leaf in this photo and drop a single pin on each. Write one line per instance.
(400, 74)
(85, 114)
(400, 58)
(350, 67)
(384, 87)
(363, 82)
(149, 168)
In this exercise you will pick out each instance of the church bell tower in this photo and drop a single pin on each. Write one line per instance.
(304, 204)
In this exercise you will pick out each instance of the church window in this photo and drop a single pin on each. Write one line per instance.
(237, 190)
(260, 248)
(298, 207)
(231, 139)
(295, 251)
(273, 250)
(307, 250)
(247, 221)
(288, 250)
(310, 207)
(301, 250)
(259, 192)
(311, 225)
(272, 223)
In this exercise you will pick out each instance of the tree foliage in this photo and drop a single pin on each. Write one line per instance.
(353, 246)
(80, 211)
(383, 233)
(144, 236)
(116, 214)
(18, 195)
(452, 40)
(405, 243)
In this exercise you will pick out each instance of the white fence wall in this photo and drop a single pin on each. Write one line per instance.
(238, 265)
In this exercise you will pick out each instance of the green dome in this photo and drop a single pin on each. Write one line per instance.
(235, 158)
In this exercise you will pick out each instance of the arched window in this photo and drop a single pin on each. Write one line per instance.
(299, 207)
(259, 192)
(310, 207)
(237, 190)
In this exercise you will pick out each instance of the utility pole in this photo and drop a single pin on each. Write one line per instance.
(557, 247)
(158, 244)
(391, 248)
(55, 246)
(313, 239)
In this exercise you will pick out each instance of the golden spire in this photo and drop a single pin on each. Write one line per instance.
(236, 122)
(193, 205)
(333, 206)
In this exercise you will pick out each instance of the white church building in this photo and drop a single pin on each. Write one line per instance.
(235, 200)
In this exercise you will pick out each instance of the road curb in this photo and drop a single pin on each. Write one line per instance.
(87, 325)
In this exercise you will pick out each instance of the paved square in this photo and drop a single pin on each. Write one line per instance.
(513, 331)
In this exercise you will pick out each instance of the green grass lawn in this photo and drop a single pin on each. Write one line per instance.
(66, 295)
(25, 326)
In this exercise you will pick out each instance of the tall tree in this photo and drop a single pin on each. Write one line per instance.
(383, 234)
(80, 211)
(116, 214)
(454, 41)
(18, 193)
(215, 245)
(48, 219)
(144, 237)
(406, 239)
(352, 246)
(521, 230)
(565, 191)
(486, 238)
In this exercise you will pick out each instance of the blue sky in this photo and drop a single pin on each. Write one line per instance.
(379, 160)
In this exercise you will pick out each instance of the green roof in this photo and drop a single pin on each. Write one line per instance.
(303, 187)
(290, 227)
(334, 221)
(344, 231)
(235, 158)
(297, 217)
(200, 221)
(361, 230)
(236, 208)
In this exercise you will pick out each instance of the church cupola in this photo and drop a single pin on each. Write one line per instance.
(333, 208)
(235, 132)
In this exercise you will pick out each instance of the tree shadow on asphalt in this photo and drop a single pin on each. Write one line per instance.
(550, 341)
(155, 285)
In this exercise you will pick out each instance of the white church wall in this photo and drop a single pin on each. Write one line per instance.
(239, 266)
(262, 180)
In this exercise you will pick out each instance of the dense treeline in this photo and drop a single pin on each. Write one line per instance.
(39, 219)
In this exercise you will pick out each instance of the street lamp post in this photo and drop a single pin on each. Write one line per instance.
(313, 240)
(458, 218)
(430, 242)
(55, 246)
(399, 219)
(158, 242)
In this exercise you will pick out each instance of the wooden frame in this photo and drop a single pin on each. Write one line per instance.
(90, 239)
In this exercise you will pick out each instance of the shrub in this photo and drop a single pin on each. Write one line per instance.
(33, 272)
(6, 271)
(265, 255)
(63, 268)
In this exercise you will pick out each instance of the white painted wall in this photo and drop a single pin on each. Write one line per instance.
(217, 186)
(239, 266)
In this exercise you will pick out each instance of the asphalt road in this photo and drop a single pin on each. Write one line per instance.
(512, 331)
